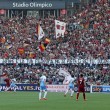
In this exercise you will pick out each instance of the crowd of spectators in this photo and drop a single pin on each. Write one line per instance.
(93, 74)
(87, 36)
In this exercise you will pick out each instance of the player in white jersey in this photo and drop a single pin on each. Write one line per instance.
(43, 88)
(67, 81)
(70, 87)
(66, 74)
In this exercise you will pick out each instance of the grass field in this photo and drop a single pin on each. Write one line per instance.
(56, 101)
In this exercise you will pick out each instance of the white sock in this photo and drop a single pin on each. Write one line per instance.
(7, 88)
(45, 94)
(40, 94)
(72, 92)
(15, 89)
(66, 92)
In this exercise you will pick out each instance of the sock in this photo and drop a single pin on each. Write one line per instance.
(45, 94)
(84, 95)
(77, 95)
(72, 93)
(7, 88)
(40, 94)
(15, 89)
(66, 92)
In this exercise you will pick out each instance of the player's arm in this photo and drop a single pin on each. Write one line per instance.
(84, 83)
(2, 75)
(45, 81)
(77, 82)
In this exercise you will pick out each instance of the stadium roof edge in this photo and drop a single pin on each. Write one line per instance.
(75, 1)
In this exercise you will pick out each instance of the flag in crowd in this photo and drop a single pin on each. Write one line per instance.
(42, 46)
(21, 51)
(2, 40)
(32, 55)
(39, 32)
(47, 40)
(60, 28)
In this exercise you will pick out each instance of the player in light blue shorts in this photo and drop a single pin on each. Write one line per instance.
(71, 85)
(70, 88)
(43, 88)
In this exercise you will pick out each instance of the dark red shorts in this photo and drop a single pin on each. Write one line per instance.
(81, 89)
(7, 82)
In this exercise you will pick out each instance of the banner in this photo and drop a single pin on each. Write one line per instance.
(9, 4)
(22, 87)
(63, 88)
(100, 88)
(54, 61)
(60, 28)
(50, 88)
(57, 88)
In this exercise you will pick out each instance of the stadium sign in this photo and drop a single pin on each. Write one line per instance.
(100, 88)
(50, 88)
(63, 88)
(22, 87)
(32, 5)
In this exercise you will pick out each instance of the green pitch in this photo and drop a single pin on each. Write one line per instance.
(56, 101)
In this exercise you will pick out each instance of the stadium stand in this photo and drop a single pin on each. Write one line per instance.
(87, 37)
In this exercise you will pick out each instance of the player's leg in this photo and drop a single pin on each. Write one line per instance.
(71, 92)
(14, 88)
(40, 93)
(7, 88)
(45, 93)
(66, 92)
(10, 87)
(7, 84)
(84, 96)
(77, 96)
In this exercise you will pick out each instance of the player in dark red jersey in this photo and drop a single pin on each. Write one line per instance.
(81, 87)
(6, 79)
